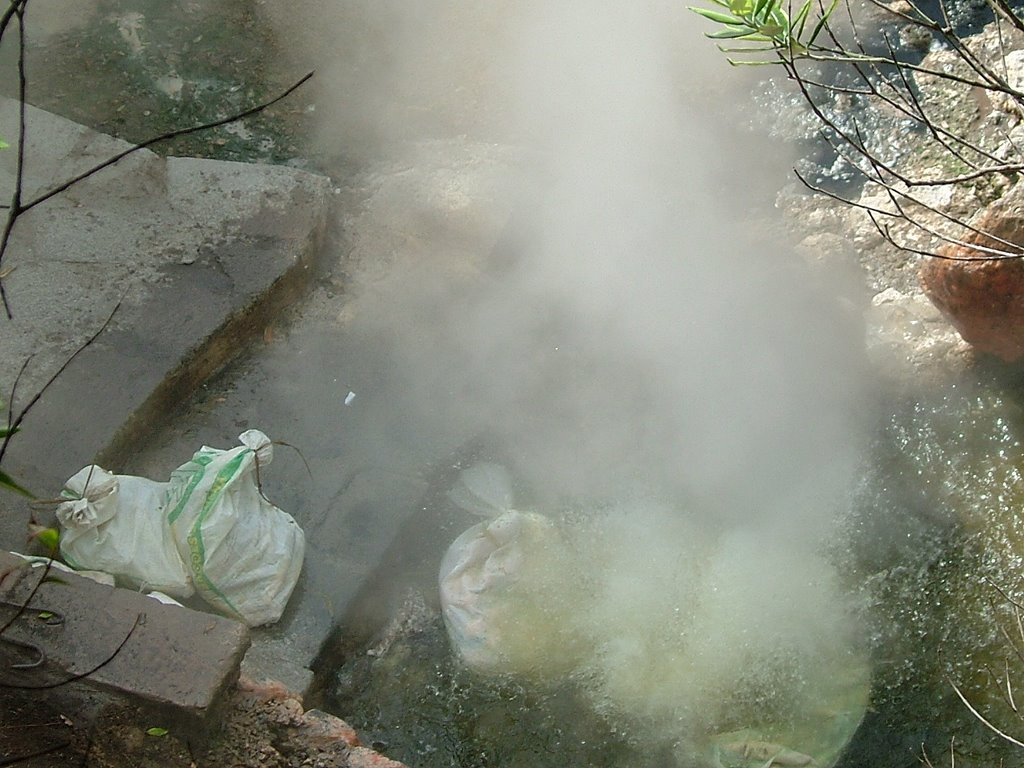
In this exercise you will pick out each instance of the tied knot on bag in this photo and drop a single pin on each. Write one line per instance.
(260, 444)
(81, 512)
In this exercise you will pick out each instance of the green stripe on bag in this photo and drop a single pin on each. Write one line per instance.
(197, 550)
(201, 460)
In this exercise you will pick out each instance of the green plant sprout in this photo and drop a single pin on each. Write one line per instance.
(769, 24)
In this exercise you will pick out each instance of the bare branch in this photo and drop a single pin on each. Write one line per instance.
(31, 595)
(18, 208)
(15, 204)
(981, 719)
(35, 398)
(48, 750)
(139, 618)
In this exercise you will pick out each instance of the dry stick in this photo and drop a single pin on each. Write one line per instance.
(846, 137)
(1009, 641)
(12, 9)
(31, 595)
(1002, 592)
(942, 181)
(883, 230)
(995, 254)
(38, 753)
(1002, 46)
(939, 133)
(139, 618)
(844, 56)
(17, 208)
(14, 391)
(15, 205)
(1009, 689)
(994, 680)
(35, 398)
(840, 53)
(908, 104)
(922, 19)
(1004, 7)
(981, 718)
(878, 166)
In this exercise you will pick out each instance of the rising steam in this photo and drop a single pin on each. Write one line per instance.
(633, 342)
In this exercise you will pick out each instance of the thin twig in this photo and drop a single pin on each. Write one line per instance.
(35, 398)
(81, 675)
(1009, 689)
(164, 137)
(981, 719)
(15, 205)
(18, 208)
(12, 9)
(31, 595)
(38, 753)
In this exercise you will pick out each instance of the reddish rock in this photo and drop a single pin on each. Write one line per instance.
(361, 757)
(983, 298)
(319, 728)
(266, 690)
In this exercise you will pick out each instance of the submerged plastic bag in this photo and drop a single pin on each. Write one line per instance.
(508, 584)
(208, 530)
(115, 524)
(738, 649)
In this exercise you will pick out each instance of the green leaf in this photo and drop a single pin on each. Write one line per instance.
(4, 144)
(49, 538)
(740, 7)
(721, 18)
(5, 431)
(156, 731)
(7, 482)
(821, 24)
(44, 615)
(731, 34)
(770, 30)
(801, 18)
(764, 6)
(778, 16)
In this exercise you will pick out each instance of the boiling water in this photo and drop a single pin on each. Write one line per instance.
(936, 541)
(931, 553)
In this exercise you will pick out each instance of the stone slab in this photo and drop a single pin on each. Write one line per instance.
(201, 255)
(173, 658)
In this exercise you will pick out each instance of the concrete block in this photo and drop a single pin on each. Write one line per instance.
(175, 659)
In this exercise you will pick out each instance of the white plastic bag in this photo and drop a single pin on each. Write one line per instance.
(209, 530)
(115, 524)
(243, 553)
(508, 584)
